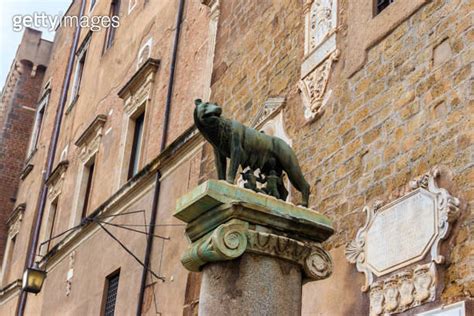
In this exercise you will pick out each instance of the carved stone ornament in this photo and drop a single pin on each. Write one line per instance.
(138, 89)
(322, 19)
(396, 236)
(403, 291)
(313, 88)
(14, 221)
(56, 180)
(89, 141)
(320, 54)
(270, 108)
(229, 241)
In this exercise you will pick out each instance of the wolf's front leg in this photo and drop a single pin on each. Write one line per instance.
(221, 164)
(235, 154)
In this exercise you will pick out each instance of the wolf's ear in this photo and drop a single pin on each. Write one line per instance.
(197, 102)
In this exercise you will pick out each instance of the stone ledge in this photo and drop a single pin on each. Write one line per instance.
(214, 202)
(226, 221)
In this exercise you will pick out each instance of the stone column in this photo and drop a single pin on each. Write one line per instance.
(255, 251)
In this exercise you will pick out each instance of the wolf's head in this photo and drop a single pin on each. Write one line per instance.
(206, 113)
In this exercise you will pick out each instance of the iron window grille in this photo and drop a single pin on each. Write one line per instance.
(111, 294)
(380, 5)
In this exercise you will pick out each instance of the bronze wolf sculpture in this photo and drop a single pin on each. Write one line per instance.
(247, 147)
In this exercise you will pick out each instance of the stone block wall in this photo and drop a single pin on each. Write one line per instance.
(408, 109)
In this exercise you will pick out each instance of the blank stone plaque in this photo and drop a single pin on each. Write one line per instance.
(398, 248)
(401, 232)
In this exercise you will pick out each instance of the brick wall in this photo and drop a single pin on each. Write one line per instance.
(407, 110)
(14, 140)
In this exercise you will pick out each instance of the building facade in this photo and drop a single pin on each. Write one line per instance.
(18, 103)
(369, 94)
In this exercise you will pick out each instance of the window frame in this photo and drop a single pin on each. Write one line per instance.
(111, 31)
(79, 69)
(38, 124)
(137, 145)
(128, 137)
(92, 5)
(105, 295)
(87, 185)
(380, 6)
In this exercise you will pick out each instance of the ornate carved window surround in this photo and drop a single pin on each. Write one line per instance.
(88, 143)
(140, 80)
(14, 221)
(89, 140)
(56, 179)
(367, 30)
(137, 94)
(26, 171)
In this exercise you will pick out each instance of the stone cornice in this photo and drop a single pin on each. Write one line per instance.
(98, 122)
(140, 77)
(60, 169)
(20, 208)
(9, 290)
(26, 170)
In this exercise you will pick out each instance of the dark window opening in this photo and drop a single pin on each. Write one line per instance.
(380, 5)
(111, 289)
(136, 146)
(110, 34)
(89, 172)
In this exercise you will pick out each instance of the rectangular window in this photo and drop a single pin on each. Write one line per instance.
(110, 297)
(380, 5)
(9, 259)
(78, 75)
(50, 224)
(38, 124)
(136, 146)
(110, 34)
(89, 176)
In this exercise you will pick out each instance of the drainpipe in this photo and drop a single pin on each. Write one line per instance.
(50, 160)
(164, 138)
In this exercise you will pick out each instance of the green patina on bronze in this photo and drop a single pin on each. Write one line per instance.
(213, 202)
(248, 148)
(224, 221)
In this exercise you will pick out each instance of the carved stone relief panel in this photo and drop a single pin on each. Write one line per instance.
(321, 22)
(14, 222)
(398, 235)
(320, 54)
(56, 180)
(144, 53)
(313, 88)
(404, 290)
(89, 142)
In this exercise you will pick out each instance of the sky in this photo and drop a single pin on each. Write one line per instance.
(9, 39)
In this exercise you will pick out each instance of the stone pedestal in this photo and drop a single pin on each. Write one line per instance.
(255, 251)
